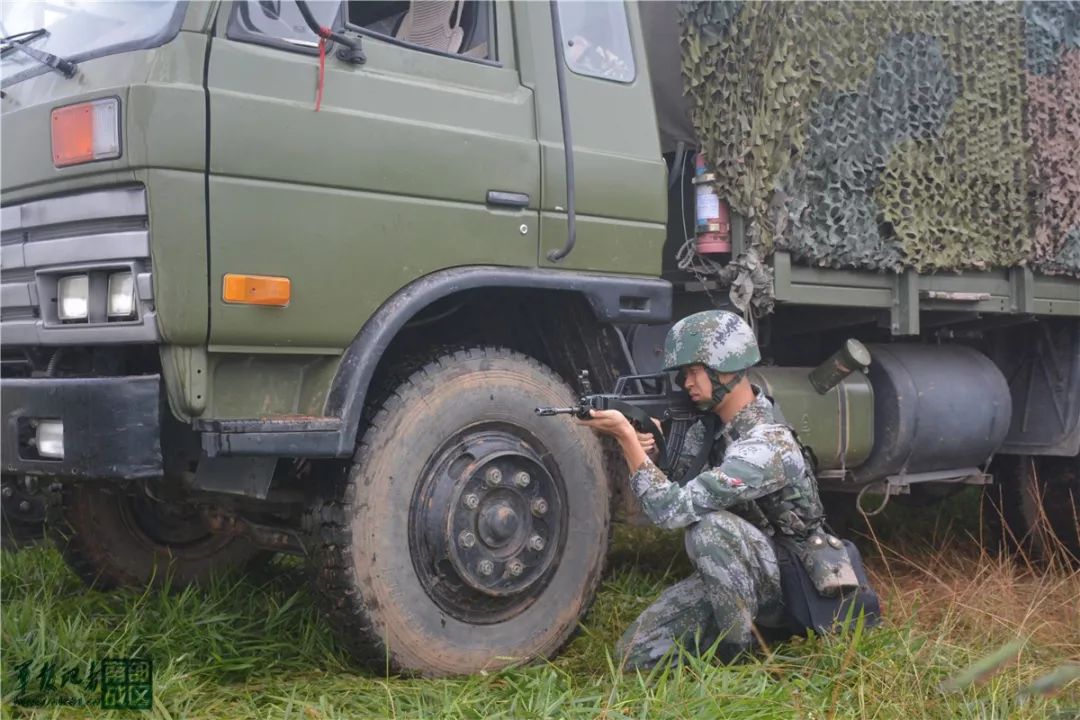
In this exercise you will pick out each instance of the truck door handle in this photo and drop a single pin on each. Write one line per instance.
(507, 199)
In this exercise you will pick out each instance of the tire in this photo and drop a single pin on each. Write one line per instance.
(841, 513)
(393, 574)
(114, 539)
(1036, 506)
(22, 513)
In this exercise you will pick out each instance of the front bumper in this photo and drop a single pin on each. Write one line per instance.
(112, 426)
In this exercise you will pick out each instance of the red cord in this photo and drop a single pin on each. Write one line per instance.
(323, 34)
(322, 73)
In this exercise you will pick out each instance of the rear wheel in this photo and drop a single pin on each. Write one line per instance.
(1036, 505)
(468, 533)
(112, 538)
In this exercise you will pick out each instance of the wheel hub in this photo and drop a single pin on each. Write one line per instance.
(487, 524)
(498, 522)
(173, 525)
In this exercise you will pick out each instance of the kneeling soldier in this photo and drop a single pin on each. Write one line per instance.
(757, 492)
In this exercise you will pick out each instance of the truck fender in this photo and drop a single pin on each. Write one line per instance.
(613, 298)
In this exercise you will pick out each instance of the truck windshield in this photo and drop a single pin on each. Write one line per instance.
(79, 30)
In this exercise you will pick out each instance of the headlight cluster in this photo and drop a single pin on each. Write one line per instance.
(73, 297)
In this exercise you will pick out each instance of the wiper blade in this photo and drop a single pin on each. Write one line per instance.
(23, 37)
(57, 63)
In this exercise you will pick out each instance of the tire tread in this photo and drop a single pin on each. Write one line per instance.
(337, 585)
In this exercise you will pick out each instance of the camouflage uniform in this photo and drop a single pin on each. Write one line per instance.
(758, 487)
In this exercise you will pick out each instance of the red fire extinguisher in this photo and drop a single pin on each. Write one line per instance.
(713, 228)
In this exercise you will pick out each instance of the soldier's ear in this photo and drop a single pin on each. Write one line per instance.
(723, 378)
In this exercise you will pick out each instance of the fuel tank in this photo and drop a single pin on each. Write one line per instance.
(837, 425)
(936, 407)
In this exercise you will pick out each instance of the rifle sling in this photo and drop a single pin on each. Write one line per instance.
(702, 456)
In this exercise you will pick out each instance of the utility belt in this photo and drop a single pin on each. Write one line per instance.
(824, 583)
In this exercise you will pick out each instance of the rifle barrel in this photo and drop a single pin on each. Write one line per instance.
(546, 411)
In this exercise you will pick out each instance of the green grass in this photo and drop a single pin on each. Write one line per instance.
(255, 647)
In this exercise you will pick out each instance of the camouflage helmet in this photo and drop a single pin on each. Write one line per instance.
(718, 339)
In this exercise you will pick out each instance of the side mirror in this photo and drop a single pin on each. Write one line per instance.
(271, 8)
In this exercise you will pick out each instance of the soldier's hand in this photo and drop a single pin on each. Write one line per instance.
(609, 422)
(648, 444)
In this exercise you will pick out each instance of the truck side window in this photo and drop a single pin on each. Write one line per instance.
(596, 39)
(274, 22)
(463, 28)
(449, 27)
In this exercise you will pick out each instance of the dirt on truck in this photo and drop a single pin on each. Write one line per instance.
(292, 277)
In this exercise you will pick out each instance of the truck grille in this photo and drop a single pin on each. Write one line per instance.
(93, 233)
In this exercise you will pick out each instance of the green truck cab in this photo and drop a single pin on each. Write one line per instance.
(266, 293)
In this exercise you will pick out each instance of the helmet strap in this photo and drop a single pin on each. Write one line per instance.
(720, 389)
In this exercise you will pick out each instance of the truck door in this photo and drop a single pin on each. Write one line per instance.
(618, 169)
(422, 158)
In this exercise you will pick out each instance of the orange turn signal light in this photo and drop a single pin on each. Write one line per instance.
(256, 289)
(86, 132)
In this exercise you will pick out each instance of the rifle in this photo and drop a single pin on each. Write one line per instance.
(656, 397)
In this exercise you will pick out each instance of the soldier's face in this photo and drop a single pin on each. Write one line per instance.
(697, 383)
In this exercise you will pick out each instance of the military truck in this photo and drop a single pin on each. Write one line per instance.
(292, 277)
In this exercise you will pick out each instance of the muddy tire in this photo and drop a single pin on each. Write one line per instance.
(467, 534)
(842, 513)
(115, 539)
(1035, 506)
(22, 513)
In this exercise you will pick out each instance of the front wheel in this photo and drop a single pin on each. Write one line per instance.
(468, 533)
(112, 538)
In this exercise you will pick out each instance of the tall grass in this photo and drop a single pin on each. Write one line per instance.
(254, 647)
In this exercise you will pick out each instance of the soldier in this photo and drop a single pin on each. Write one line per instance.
(757, 488)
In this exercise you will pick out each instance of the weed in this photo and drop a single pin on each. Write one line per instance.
(254, 647)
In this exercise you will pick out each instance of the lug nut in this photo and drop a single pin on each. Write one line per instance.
(536, 543)
(539, 506)
(515, 567)
(522, 479)
(485, 567)
(24, 506)
(8, 491)
(466, 539)
(493, 476)
(471, 501)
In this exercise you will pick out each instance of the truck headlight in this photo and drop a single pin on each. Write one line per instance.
(121, 295)
(49, 439)
(73, 297)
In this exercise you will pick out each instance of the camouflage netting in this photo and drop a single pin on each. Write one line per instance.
(937, 136)
(1053, 118)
